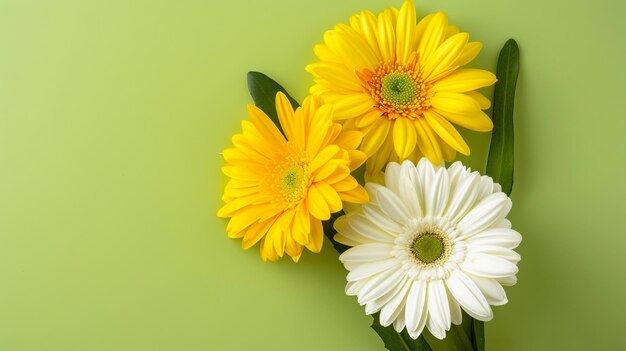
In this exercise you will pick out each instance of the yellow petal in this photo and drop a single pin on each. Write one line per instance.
(454, 102)
(324, 53)
(404, 137)
(386, 36)
(465, 80)
(317, 205)
(376, 136)
(427, 142)
(337, 74)
(482, 101)
(347, 184)
(325, 171)
(405, 32)
(255, 232)
(452, 30)
(365, 24)
(330, 196)
(448, 153)
(243, 219)
(301, 224)
(323, 157)
(476, 120)
(381, 157)
(446, 131)
(357, 195)
(355, 51)
(357, 158)
(352, 106)
(265, 125)
(434, 34)
(285, 114)
(293, 249)
(320, 121)
(349, 140)
(421, 26)
(369, 118)
(317, 236)
(469, 53)
(240, 173)
(445, 55)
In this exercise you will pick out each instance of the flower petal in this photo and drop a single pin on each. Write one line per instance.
(469, 296)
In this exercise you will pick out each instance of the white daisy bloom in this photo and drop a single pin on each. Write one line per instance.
(430, 242)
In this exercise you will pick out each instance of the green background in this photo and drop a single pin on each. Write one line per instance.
(112, 117)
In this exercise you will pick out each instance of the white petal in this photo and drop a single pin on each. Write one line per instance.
(367, 252)
(376, 215)
(380, 284)
(456, 317)
(399, 323)
(456, 173)
(489, 211)
(486, 187)
(366, 270)
(342, 239)
(368, 228)
(463, 198)
(420, 327)
(353, 288)
(415, 304)
(493, 291)
(378, 303)
(343, 228)
(488, 266)
(409, 170)
(392, 177)
(425, 175)
(508, 281)
(469, 296)
(438, 309)
(498, 251)
(391, 310)
(409, 196)
(437, 193)
(504, 237)
(392, 206)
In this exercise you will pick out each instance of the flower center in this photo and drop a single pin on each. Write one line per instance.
(291, 179)
(428, 248)
(287, 177)
(398, 88)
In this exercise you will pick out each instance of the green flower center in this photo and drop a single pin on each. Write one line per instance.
(428, 248)
(398, 88)
(292, 178)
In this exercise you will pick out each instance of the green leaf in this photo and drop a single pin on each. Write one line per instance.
(478, 335)
(263, 90)
(500, 162)
(395, 341)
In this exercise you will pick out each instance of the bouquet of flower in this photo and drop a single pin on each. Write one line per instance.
(363, 160)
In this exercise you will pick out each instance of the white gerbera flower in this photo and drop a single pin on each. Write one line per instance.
(430, 242)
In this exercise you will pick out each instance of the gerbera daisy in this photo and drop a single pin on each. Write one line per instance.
(400, 84)
(282, 188)
(430, 242)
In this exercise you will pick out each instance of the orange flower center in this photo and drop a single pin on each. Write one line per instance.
(398, 89)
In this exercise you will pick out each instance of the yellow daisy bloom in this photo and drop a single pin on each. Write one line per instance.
(400, 84)
(281, 189)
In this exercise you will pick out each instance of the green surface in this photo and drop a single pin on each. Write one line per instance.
(112, 117)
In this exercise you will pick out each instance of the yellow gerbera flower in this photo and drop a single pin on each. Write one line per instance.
(281, 189)
(398, 82)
